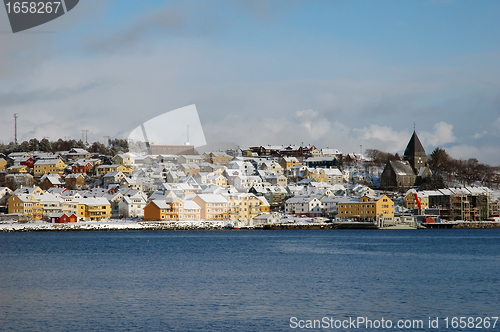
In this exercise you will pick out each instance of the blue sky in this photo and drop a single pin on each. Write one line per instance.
(336, 74)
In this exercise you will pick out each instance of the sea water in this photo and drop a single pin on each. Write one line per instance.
(249, 280)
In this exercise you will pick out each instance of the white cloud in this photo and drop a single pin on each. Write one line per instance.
(317, 126)
(383, 138)
(246, 95)
(496, 123)
(463, 151)
(443, 134)
(479, 135)
(484, 154)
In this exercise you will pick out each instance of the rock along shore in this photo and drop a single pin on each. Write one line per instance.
(112, 226)
(121, 225)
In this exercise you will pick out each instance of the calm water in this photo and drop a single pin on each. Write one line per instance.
(244, 280)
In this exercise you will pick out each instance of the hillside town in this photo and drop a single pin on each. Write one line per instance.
(262, 185)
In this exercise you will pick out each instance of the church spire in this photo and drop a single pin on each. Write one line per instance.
(415, 152)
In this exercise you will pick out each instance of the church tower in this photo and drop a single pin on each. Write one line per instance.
(415, 153)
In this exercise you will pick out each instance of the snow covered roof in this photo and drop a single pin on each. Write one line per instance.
(113, 174)
(332, 171)
(421, 171)
(161, 204)
(212, 198)
(330, 151)
(93, 201)
(263, 200)
(300, 199)
(47, 161)
(401, 167)
(190, 205)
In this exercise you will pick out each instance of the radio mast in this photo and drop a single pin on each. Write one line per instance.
(15, 127)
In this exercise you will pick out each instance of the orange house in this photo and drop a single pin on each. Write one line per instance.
(156, 210)
(82, 167)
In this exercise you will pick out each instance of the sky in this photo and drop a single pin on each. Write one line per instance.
(350, 75)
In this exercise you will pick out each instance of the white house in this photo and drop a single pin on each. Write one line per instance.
(308, 206)
(132, 207)
(244, 183)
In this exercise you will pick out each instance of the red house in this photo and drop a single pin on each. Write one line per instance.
(59, 218)
(82, 167)
(26, 161)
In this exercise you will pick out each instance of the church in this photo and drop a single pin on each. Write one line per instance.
(407, 172)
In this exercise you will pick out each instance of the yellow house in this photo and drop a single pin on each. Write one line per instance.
(213, 207)
(265, 207)
(288, 162)
(123, 159)
(103, 169)
(74, 181)
(219, 158)
(411, 202)
(315, 152)
(3, 164)
(21, 169)
(316, 174)
(176, 211)
(272, 166)
(190, 169)
(93, 209)
(26, 206)
(49, 166)
(367, 207)
(243, 206)
(192, 211)
(217, 179)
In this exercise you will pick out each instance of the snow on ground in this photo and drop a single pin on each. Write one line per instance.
(133, 224)
(112, 224)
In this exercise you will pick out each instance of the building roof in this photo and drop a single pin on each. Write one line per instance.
(162, 204)
(47, 161)
(190, 205)
(212, 198)
(401, 167)
(330, 151)
(414, 147)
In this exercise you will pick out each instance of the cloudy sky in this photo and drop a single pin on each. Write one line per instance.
(337, 74)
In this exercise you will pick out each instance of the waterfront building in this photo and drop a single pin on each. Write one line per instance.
(156, 210)
(243, 206)
(304, 205)
(93, 209)
(213, 206)
(26, 206)
(366, 207)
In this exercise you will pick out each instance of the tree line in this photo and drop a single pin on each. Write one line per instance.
(114, 146)
(446, 170)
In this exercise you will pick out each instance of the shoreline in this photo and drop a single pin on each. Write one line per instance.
(123, 225)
